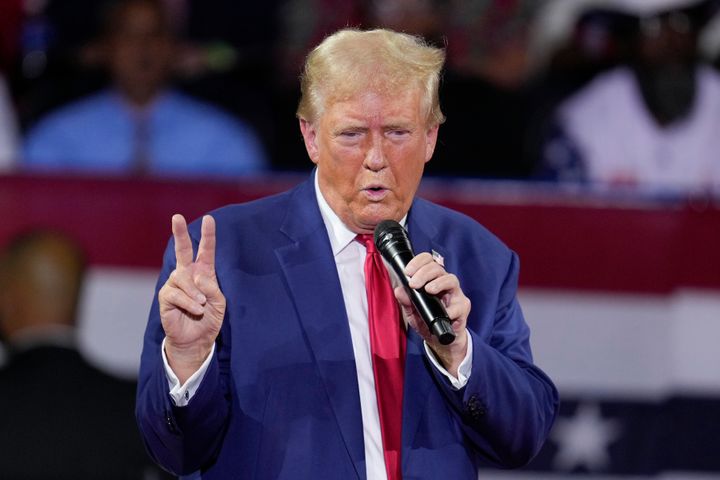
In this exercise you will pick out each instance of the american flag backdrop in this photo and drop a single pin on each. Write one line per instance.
(622, 296)
(639, 377)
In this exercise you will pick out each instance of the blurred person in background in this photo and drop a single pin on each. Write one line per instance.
(652, 124)
(427, 18)
(227, 57)
(61, 417)
(43, 53)
(570, 44)
(140, 125)
(485, 90)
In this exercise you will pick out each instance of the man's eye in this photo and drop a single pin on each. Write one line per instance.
(398, 132)
(350, 134)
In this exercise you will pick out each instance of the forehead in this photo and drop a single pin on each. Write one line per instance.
(137, 17)
(371, 107)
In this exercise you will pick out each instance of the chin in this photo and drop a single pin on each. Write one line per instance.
(380, 214)
(371, 213)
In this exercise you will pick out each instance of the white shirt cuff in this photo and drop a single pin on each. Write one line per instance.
(181, 394)
(464, 370)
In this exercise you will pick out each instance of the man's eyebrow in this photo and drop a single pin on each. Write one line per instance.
(400, 125)
(355, 127)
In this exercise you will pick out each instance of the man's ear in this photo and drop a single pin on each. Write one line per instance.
(309, 134)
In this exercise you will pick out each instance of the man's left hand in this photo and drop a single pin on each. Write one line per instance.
(421, 271)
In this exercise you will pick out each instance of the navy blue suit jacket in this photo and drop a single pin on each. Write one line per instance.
(280, 398)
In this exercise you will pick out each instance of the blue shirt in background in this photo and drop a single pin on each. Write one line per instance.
(175, 136)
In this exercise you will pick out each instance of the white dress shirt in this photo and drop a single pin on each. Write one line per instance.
(349, 259)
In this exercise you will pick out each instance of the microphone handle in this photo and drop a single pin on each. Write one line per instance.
(428, 306)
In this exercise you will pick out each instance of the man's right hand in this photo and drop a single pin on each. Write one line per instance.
(192, 306)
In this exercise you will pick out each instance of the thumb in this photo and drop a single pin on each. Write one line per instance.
(402, 297)
(409, 314)
(208, 285)
(406, 306)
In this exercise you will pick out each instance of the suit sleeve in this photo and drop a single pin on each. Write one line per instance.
(181, 439)
(508, 405)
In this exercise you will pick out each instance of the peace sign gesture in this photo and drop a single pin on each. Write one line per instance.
(192, 306)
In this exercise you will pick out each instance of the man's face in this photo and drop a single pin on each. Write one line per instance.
(141, 50)
(370, 152)
(668, 39)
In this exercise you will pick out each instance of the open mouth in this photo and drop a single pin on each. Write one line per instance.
(375, 192)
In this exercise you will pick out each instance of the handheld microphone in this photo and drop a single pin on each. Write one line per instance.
(393, 244)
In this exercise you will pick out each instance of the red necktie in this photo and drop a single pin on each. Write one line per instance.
(387, 345)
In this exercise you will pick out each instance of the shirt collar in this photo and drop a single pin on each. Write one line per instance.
(161, 101)
(340, 235)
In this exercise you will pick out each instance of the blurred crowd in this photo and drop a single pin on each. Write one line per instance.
(610, 93)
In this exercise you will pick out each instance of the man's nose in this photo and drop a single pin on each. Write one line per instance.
(375, 158)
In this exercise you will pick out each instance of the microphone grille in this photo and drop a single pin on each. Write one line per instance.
(386, 230)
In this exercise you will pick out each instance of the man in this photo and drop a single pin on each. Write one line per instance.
(263, 358)
(650, 125)
(61, 417)
(140, 125)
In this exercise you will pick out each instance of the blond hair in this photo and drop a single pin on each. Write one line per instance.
(352, 61)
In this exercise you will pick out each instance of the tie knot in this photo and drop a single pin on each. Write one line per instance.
(367, 240)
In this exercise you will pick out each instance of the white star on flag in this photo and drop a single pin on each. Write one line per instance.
(583, 439)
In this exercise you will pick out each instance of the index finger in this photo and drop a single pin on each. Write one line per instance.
(183, 244)
(206, 249)
(418, 261)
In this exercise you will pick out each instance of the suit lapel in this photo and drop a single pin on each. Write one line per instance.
(309, 268)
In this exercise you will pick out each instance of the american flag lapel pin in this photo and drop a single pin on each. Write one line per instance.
(438, 258)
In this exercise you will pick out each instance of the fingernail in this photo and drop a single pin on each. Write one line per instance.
(200, 298)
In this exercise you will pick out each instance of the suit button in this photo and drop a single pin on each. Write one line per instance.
(170, 423)
(474, 408)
